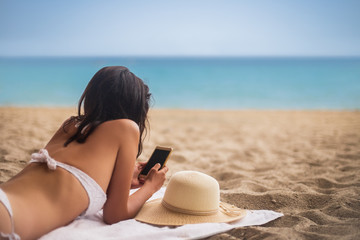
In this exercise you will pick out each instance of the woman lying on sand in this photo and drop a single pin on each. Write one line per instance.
(90, 163)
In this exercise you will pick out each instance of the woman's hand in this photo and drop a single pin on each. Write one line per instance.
(135, 182)
(156, 178)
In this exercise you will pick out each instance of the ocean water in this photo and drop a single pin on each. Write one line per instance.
(192, 83)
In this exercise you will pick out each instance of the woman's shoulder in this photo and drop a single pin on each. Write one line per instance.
(121, 123)
(125, 126)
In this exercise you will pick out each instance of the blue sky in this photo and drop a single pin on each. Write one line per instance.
(180, 28)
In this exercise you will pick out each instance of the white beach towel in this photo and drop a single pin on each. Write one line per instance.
(94, 228)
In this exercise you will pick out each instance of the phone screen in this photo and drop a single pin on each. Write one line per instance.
(158, 156)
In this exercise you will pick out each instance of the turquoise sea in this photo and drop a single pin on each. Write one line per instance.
(192, 83)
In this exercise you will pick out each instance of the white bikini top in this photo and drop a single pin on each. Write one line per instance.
(97, 196)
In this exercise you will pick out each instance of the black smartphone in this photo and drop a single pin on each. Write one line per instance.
(160, 155)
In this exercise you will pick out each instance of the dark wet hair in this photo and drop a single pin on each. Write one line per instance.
(113, 93)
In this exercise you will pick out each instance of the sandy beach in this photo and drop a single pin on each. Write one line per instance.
(305, 164)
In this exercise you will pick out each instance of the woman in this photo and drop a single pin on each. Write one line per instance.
(88, 165)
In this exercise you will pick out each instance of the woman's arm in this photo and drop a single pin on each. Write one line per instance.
(153, 183)
(119, 206)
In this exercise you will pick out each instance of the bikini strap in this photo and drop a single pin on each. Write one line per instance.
(43, 157)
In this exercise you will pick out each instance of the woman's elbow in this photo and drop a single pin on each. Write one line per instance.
(115, 218)
(109, 220)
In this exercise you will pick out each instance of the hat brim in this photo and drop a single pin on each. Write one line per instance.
(154, 212)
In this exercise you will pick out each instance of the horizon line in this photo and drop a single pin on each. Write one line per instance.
(179, 56)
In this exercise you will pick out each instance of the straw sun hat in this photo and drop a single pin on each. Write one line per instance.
(190, 197)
